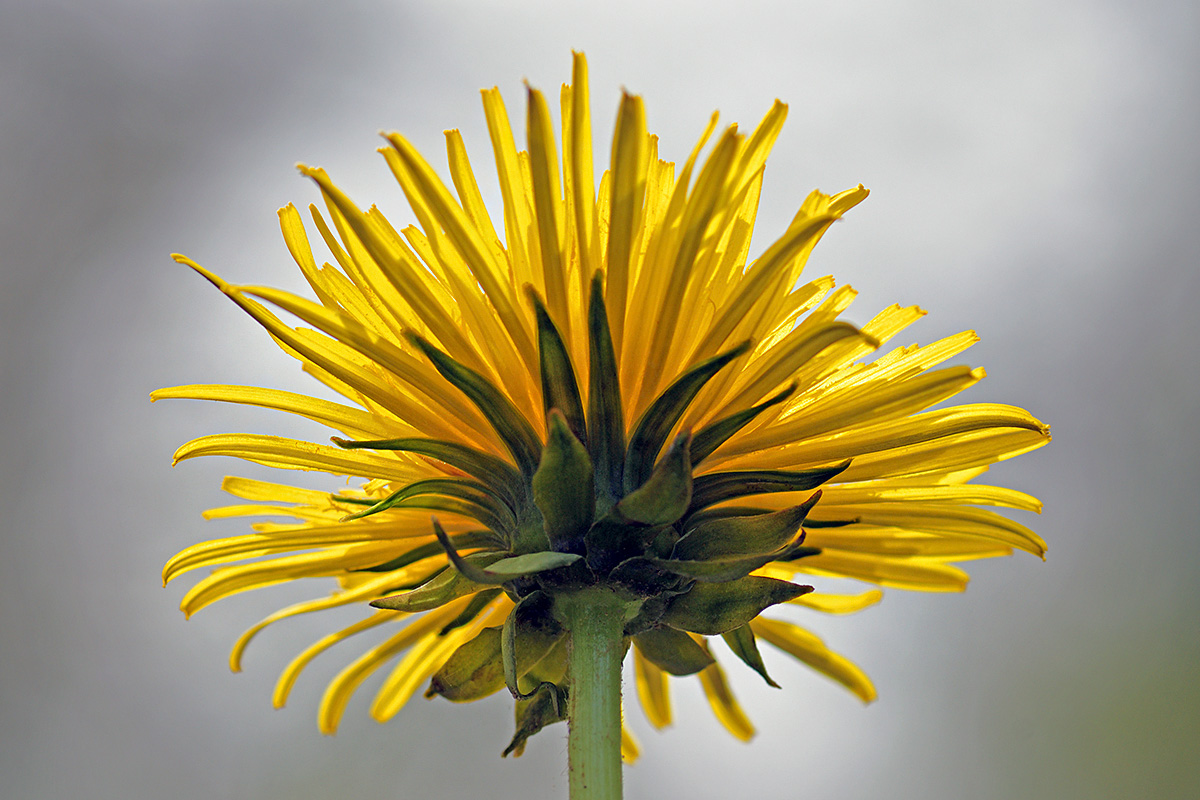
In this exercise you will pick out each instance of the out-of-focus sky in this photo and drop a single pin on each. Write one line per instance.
(1034, 173)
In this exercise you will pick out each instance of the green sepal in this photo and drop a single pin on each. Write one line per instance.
(514, 430)
(552, 668)
(735, 537)
(564, 488)
(483, 509)
(366, 502)
(798, 552)
(605, 416)
(466, 489)
(667, 493)
(494, 472)
(545, 706)
(472, 672)
(463, 565)
(656, 423)
(743, 644)
(473, 609)
(831, 523)
(719, 569)
(508, 645)
(560, 389)
(469, 540)
(718, 487)
(447, 585)
(500, 570)
(694, 521)
(712, 608)
(673, 651)
(530, 632)
(508, 569)
(713, 435)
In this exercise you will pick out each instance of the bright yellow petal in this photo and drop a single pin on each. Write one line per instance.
(287, 679)
(724, 705)
(653, 690)
(806, 647)
(918, 573)
(337, 694)
(838, 603)
(368, 590)
(631, 751)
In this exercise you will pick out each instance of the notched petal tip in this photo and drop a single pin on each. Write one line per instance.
(316, 173)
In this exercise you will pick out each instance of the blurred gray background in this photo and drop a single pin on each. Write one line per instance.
(1034, 172)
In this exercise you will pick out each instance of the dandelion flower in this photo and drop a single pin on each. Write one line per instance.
(597, 425)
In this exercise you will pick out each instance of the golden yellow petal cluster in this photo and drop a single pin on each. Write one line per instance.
(668, 248)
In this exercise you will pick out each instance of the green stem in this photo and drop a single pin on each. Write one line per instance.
(595, 618)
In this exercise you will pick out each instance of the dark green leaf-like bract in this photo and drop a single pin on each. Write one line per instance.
(484, 467)
(560, 389)
(712, 436)
(547, 705)
(712, 608)
(672, 650)
(472, 672)
(529, 632)
(743, 536)
(667, 493)
(656, 423)
(741, 641)
(719, 487)
(564, 487)
(605, 417)
(509, 423)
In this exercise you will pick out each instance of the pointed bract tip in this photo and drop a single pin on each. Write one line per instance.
(532, 295)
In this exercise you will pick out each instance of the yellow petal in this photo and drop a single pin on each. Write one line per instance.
(250, 489)
(291, 538)
(812, 651)
(368, 590)
(653, 690)
(892, 542)
(917, 574)
(421, 179)
(276, 451)
(296, 240)
(337, 694)
(630, 749)
(228, 581)
(724, 705)
(936, 519)
(427, 657)
(287, 679)
(353, 422)
(627, 194)
(838, 603)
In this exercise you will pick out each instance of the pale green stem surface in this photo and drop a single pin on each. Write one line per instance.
(595, 618)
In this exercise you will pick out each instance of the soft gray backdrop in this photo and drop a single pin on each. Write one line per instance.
(1034, 171)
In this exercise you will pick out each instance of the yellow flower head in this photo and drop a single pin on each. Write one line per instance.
(608, 395)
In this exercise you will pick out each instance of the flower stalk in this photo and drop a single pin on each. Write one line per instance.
(595, 619)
